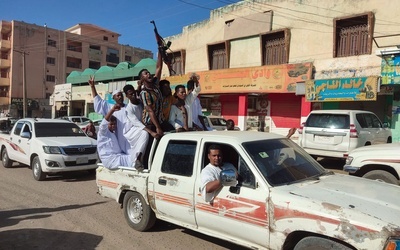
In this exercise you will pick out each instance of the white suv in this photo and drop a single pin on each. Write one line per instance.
(334, 133)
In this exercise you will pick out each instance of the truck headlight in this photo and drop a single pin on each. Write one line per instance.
(349, 159)
(392, 244)
(51, 150)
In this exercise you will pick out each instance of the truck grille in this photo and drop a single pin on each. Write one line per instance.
(83, 150)
(73, 163)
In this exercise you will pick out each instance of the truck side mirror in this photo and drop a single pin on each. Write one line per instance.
(386, 125)
(26, 135)
(228, 177)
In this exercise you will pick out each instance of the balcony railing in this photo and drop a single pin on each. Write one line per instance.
(5, 63)
(4, 81)
(5, 44)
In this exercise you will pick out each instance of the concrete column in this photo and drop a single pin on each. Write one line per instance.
(242, 111)
(305, 109)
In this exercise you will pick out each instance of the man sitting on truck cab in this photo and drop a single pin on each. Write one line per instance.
(108, 147)
(210, 174)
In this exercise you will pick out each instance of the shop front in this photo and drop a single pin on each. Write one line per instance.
(390, 73)
(257, 98)
(17, 107)
(354, 93)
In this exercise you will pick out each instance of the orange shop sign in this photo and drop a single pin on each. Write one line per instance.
(263, 79)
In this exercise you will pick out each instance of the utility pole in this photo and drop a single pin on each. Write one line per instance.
(24, 97)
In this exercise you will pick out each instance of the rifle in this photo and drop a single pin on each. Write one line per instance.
(162, 49)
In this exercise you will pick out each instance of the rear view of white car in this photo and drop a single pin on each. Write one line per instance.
(334, 133)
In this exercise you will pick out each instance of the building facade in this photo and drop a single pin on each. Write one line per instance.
(34, 59)
(267, 63)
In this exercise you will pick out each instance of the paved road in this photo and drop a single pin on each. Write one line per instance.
(65, 212)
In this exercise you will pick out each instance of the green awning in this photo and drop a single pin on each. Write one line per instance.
(125, 65)
(124, 70)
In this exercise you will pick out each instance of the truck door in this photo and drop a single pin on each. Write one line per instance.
(240, 212)
(22, 151)
(174, 183)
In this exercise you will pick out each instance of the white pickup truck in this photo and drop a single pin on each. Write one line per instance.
(377, 162)
(283, 200)
(48, 146)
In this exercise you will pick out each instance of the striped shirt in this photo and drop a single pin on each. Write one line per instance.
(152, 97)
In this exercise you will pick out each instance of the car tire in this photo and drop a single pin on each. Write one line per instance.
(317, 243)
(138, 214)
(382, 176)
(37, 172)
(7, 162)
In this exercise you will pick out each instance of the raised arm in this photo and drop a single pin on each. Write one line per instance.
(159, 67)
(116, 107)
(92, 86)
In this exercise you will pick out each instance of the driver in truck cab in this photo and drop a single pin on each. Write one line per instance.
(210, 174)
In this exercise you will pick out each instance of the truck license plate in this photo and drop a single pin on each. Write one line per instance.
(82, 160)
(324, 139)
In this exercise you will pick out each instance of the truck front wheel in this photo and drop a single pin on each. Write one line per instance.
(137, 213)
(38, 174)
(7, 163)
(317, 243)
(382, 176)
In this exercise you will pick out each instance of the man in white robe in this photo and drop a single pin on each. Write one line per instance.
(108, 148)
(135, 131)
(102, 107)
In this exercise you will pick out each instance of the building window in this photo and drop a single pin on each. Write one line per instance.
(218, 56)
(128, 58)
(112, 56)
(4, 56)
(51, 60)
(4, 73)
(74, 46)
(105, 38)
(275, 47)
(50, 78)
(353, 35)
(4, 91)
(51, 43)
(178, 62)
(94, 65)
(95, 47)
(74, 62)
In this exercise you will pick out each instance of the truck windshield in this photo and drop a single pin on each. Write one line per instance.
(282, 162)
(57, 129)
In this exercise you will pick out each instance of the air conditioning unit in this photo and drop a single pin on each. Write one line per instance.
(387, 52)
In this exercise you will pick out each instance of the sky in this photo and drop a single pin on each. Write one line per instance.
(130, 18)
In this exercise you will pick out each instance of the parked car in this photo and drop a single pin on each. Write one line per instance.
(96, 124)
(379, 162)
(334, 133)
(215, 122)
(48, 146)
(6, 124)
(75, 119)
